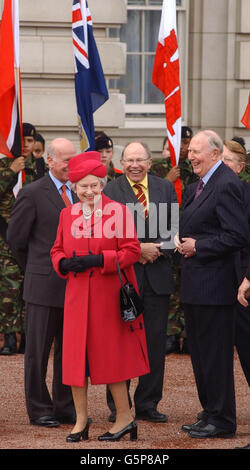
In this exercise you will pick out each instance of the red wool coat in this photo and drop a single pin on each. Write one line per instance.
(116, 350)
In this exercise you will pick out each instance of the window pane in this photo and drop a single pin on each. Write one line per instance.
(136, 2)
(155, 2)
(130, 84)
(152, 94)
(152, 25)
(158, 2)
(130, 32)
(133, 79)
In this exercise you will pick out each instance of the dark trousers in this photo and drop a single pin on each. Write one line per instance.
(210, 335)
(242, 338)
(43, 326)
(149, 389)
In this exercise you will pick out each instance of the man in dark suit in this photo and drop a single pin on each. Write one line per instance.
(213, 227)
(31, 234)
(153, 272)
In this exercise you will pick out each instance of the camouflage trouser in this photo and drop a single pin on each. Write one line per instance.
(11, 287)
(176, 322)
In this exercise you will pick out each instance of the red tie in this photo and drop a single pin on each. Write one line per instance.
(141, 198)
(64, 196)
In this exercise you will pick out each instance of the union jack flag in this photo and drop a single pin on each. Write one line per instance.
(90, 86)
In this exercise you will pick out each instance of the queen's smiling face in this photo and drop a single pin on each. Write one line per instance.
(88, 189)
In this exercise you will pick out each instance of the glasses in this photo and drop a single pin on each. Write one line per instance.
(130, 161)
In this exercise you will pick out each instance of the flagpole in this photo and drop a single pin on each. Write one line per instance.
(16, 28)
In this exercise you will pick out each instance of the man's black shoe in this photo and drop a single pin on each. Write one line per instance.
(211, 431)
(47, 421)
(151, 415)
(193, 427)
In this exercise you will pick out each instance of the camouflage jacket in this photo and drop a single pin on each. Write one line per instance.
(8, 180)
(162, 167)
(113, 172)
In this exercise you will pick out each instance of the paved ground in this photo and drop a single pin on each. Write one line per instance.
(180, 402)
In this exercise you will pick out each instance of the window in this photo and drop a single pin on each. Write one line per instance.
(140, 33)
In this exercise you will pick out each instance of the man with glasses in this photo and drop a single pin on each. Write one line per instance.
(146, 192)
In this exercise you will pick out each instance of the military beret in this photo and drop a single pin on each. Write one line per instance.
(28, 130)
(87, 163)
(102, 141)
(186, 132)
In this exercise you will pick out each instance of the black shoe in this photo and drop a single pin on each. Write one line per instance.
(129, 429)
(77, 436)
(244, 447)
(112, 417)
(9, 346)
(211, 431)
(172, 345)
(193, 427)
(47, 421)
(151, 415)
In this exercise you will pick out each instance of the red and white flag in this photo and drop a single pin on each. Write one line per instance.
(166, 77)
(10, 83)
(246, 118)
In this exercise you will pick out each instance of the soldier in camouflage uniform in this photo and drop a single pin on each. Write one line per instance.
(11, 275)
(104, 145)
(163, 168)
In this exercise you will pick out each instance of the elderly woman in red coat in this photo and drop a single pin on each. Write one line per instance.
(92, 235)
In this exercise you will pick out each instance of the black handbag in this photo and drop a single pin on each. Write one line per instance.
(130, 301)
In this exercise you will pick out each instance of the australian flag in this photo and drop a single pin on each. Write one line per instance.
(90, 86)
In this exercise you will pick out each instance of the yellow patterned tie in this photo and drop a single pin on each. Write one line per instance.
(141, 198)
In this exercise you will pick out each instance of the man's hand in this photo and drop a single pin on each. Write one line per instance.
(18, 164)
(150, 252)
(187, 248)
(244, 292)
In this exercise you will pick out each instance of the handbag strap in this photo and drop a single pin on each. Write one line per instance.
(119, 272)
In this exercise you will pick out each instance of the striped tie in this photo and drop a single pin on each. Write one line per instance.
(64, 196)
(199, 189)
(141, 198)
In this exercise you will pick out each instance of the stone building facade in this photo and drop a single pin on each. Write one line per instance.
(214, 42)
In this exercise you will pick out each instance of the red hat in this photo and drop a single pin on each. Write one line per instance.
(87, 163)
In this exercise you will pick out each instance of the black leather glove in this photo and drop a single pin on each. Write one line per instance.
(78, 264)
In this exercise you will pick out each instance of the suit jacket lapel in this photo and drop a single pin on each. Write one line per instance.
(53, 194)
(191, 205)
